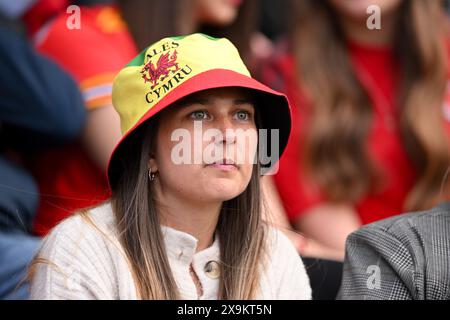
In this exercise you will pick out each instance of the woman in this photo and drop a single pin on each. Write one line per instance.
(72, 177)
(189, 229)
(369, 136)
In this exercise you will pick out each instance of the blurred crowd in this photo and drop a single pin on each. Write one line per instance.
(371, 112)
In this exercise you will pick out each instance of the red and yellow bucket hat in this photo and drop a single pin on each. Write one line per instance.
(176, 67)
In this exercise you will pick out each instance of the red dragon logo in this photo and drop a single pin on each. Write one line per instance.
(166, 63)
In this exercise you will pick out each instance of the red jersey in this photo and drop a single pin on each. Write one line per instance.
(378, 72)
(68, 179)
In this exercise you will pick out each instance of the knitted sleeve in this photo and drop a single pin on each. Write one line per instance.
(73, 263)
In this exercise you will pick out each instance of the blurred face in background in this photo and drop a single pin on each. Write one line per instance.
(216, 12)
(357, 9)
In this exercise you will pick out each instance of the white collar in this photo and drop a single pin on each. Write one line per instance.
(181, 246)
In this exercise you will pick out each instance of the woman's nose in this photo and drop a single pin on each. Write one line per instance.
(227, 130)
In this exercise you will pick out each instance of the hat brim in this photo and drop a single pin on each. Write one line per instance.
(273, 107)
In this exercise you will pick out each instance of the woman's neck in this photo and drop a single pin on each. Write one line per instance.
(198, 219)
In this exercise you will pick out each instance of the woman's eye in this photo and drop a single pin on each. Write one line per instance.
(242, 115)
(199, 115)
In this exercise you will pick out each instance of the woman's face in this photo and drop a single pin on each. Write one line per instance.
(206, 146)
(357, 9)
(216, 12)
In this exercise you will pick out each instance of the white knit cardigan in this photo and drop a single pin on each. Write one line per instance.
(87, 262)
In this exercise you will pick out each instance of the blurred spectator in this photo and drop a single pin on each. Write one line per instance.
(73, 177)
(235, 20)
(40, 108)
(370, 140)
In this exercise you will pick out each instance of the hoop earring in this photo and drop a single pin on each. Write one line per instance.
(151, 175)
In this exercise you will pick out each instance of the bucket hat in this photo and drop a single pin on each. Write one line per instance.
(176, 67)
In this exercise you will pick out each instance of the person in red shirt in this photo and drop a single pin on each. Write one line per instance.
(109, 37)
(370, 116)
(73, 177)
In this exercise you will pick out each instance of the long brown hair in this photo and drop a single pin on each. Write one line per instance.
(335, 153)
(240, 229)
(151, 20)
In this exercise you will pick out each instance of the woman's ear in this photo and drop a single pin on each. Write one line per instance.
(152, 164)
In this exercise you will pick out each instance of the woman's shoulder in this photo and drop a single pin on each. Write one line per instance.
(80, 258)
(85, 237)
(278, 241)
(84, 233)
(93, 223)
(281, 251)
(286, 274)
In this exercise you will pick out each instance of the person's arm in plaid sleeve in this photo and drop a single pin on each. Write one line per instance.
(378, 266)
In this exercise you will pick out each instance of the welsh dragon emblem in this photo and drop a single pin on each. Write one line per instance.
(154, 73)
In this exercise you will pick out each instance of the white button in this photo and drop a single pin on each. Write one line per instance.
(212, 269)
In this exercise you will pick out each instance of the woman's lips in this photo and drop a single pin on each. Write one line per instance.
(224, 165)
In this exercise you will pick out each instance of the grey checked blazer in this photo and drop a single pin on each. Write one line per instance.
(404, 257)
